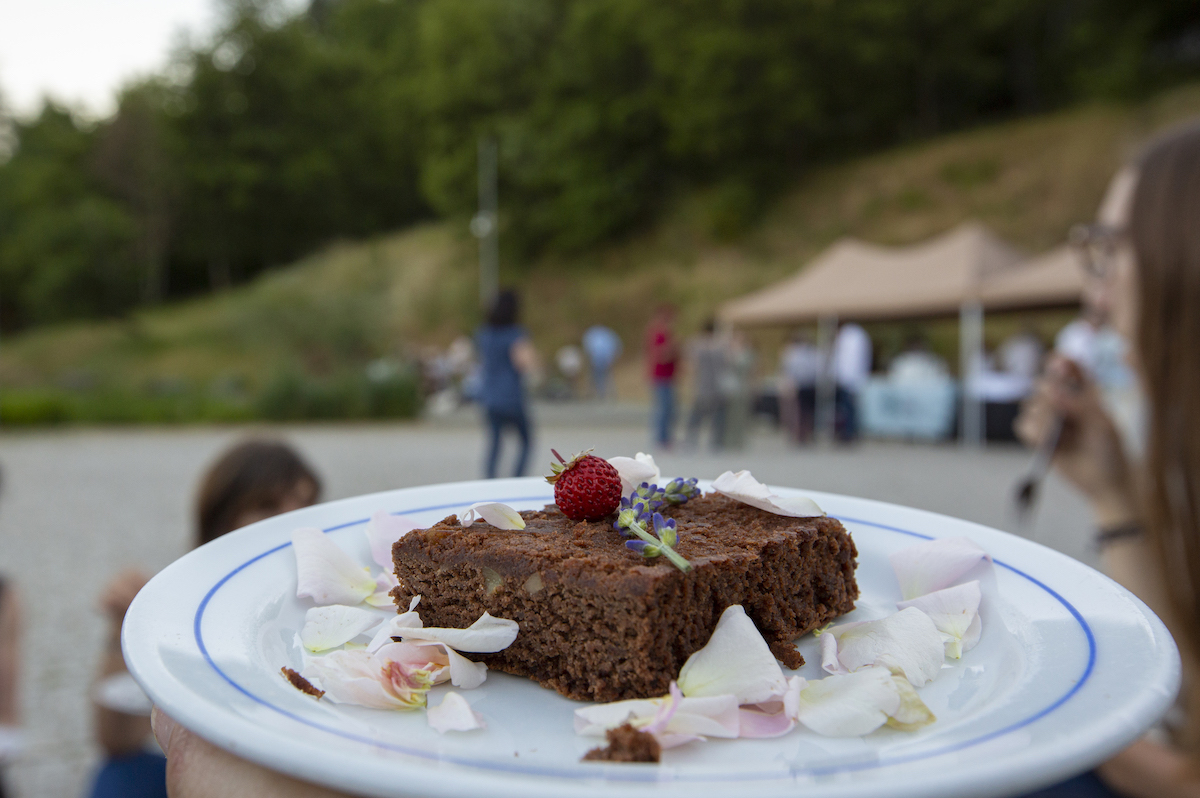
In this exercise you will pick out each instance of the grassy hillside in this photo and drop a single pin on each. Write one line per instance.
(316, 325)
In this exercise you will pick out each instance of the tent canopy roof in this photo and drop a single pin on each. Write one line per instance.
(1051, 279)
(856, 280)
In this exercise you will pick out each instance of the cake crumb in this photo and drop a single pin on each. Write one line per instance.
(787, 654)
(300, 683)
(627, 744)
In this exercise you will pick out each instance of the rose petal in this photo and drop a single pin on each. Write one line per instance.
(716, 716)
(905, 642)
(955, 613)
(325, 572)
(394, 626)
(331, 626)
(385, 582)
(635, 470)
(370, 680)
(383, 530)
(912, 713)
(498, 515)
(736, 661)
(849, 705)
(829, 654)
(936, 564)
(486, 636)
(743, 487)
(454, 714)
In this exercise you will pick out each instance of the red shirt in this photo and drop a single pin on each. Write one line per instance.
(660, 353)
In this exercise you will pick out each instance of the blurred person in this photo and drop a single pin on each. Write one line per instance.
(506, 357)
(253, 480)
(569, 360)
(11, 737)
(851, 367)
(917, 363)
(737, 391)
(1146, 251)
(1022, 353)
(800, 369)
(603, 346)
(707, 356)
(662, 355)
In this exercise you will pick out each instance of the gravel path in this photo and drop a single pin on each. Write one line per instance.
(79, 505)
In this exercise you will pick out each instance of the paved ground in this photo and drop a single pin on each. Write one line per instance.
(79, 505)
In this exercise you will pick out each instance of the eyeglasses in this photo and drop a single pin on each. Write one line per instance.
(1097, 245)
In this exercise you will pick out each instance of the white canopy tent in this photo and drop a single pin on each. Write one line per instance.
(962, 271)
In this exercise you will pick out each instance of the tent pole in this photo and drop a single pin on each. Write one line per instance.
(826, 384)
(970, 356)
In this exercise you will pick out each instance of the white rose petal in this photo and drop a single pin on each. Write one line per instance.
(849, 705)
(635, 470)
(382, 531)
(326, 573)
(331, 626)
(486, 636)
(743, 487)
(955, 613)
(735, 661)
(912, 713)
(715, 716)
(498, 515)
(936, 564)
(905, 642)
(454, 714)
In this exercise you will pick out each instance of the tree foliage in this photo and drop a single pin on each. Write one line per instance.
(360, 116)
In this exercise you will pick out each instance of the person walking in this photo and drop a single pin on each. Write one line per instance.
(737, 391)
(707, 355)
(851, 370)
(800, 369)
(662, 353)
(506, 356)
(603, 346)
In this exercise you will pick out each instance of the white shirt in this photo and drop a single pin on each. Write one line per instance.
(801, 364)
(852, 357)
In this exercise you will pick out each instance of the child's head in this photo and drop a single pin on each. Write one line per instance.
(256, 479)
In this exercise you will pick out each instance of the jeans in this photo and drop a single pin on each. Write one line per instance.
(711, 410)
(141, 775)
(664, 411)
(497, 421)
(600, 380)
(845, 416)
(1085, 785)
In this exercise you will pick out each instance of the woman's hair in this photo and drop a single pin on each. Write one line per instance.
(253, 476)
(1165, 232)
(505, 309)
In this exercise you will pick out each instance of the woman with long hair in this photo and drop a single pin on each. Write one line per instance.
(1146, 249)
(506, 357)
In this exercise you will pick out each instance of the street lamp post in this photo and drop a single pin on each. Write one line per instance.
(484, 226)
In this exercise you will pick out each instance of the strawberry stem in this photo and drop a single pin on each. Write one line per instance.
(559, 456)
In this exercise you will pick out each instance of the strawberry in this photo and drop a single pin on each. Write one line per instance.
(586, 488)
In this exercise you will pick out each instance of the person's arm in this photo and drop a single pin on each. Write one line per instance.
(524, 356)
(1089, 452)
(1149, 770)
(196, 769)
(117, 733)
(10, 655)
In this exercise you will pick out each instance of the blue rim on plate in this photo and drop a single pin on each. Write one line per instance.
(642, 775)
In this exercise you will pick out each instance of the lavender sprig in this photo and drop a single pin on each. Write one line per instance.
(632, 519)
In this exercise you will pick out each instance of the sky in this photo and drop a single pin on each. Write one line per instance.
(82, 51)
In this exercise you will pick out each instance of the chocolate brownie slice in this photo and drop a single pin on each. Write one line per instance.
(597, 621)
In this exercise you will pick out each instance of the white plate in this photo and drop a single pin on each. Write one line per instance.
(1070, 669)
